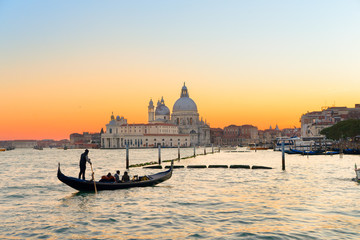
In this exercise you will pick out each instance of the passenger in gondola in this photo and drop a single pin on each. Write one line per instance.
(103, 179)
(125, 177)
(117, 176)
(83, 159)
(107, 178)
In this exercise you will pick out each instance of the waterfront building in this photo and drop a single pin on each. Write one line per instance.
(291, 132)
(240, 135)
(313, 122)
(181, 128)
(19, 143)
(216, 135)
(120, 134)
(85, 140)
(267, 137)
(245, 135)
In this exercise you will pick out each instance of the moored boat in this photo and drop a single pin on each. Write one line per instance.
(38, 147)
(228, 148)
(259, 148)
(317, 152)
(351, 151)
(86, 185)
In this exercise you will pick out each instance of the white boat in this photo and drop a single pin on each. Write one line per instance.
(293, 143)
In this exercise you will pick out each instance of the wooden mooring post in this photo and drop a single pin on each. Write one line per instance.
(341, 151)
(283, 155)
(212, 148)
(127, 156)
(194, 150)
(179, 152)
(159, 147)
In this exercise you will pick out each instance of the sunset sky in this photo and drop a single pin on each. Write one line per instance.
(65, 66)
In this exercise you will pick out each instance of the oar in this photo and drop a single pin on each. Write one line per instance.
(93, 177)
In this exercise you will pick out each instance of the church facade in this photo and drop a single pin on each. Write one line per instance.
(182, 127)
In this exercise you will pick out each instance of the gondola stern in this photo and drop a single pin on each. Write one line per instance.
(59, 173)
(172, 166)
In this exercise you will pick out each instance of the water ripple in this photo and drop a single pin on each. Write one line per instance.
(313, 199)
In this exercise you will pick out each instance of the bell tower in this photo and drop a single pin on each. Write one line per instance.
(151, 114)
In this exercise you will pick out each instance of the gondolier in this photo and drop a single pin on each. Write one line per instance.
(83, 159)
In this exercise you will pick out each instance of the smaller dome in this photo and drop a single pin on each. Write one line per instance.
(162, 110)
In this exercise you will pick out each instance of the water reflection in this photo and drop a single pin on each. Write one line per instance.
(82, 201)
(314, 198)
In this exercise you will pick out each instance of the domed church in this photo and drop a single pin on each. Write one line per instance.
(185, 115)
(181, 128)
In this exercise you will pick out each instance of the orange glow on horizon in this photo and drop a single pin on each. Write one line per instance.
(49, 115)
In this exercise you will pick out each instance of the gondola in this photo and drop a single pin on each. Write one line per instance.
(316, 152)
(88, 186)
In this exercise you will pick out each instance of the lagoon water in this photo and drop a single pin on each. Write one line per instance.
(313, 199)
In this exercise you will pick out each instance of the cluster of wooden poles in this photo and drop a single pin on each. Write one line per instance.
(158, 166)
(212, 166)
(159, 159)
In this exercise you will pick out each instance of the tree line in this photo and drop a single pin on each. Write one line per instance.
(344, 129)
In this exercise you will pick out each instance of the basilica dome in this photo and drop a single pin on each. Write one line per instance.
(184, 103)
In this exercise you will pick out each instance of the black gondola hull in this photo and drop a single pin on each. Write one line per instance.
(88, 186)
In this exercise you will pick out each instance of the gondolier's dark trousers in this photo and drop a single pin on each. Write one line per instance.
(82, 172)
